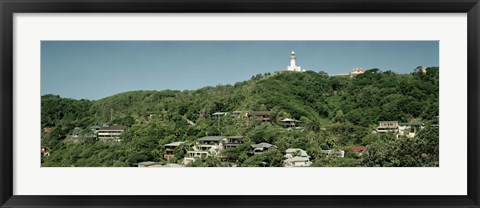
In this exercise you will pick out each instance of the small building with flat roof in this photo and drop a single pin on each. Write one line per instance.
(387, 126)
(112, 133)
(291, 123)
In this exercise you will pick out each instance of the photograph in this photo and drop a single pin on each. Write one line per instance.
(239, 103)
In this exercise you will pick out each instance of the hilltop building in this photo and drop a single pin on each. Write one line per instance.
(422, 69)
(293, 65)
(357, 71)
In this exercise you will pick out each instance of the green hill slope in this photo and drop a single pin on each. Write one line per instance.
(336, 112)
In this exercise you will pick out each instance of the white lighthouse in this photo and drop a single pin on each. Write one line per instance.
(293, 65)
(292, 59)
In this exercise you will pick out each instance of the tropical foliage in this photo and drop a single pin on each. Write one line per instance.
(335, 111)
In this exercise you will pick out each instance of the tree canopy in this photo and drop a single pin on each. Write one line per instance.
(335, 112)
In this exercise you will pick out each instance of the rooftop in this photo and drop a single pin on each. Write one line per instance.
(303, 153)
(113, 127)
(174, 144)
(235, 137)
(211, 138)
(291, 120)
(262, 145)
(220, 113)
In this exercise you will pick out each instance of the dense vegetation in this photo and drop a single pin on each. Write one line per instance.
(335, 111)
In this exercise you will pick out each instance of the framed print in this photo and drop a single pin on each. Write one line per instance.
(247, 104)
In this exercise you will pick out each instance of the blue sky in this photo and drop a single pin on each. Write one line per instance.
(97, 69)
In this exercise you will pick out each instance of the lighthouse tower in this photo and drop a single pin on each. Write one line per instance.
(293, 66)
(292, 59)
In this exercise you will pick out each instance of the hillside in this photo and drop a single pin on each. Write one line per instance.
(335, 113)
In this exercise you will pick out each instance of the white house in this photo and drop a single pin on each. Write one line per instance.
(193, 155)
(296, 158)
(409, 129)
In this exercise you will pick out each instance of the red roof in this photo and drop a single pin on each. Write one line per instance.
(358, 148)
(47, 130)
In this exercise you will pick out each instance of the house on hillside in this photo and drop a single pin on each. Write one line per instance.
(211, 144)
(387, 126)
(111, 133)
(170, 150)
(409, 129)
(260, 115)
(296, 158)
(291, 123)
(359, 150)
(191, 156)
(219, 114)
(261, 148)
(232, 141)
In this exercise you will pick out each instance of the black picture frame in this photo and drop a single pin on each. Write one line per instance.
(9, 7)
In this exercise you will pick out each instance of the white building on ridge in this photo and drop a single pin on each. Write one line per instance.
(293, 66)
